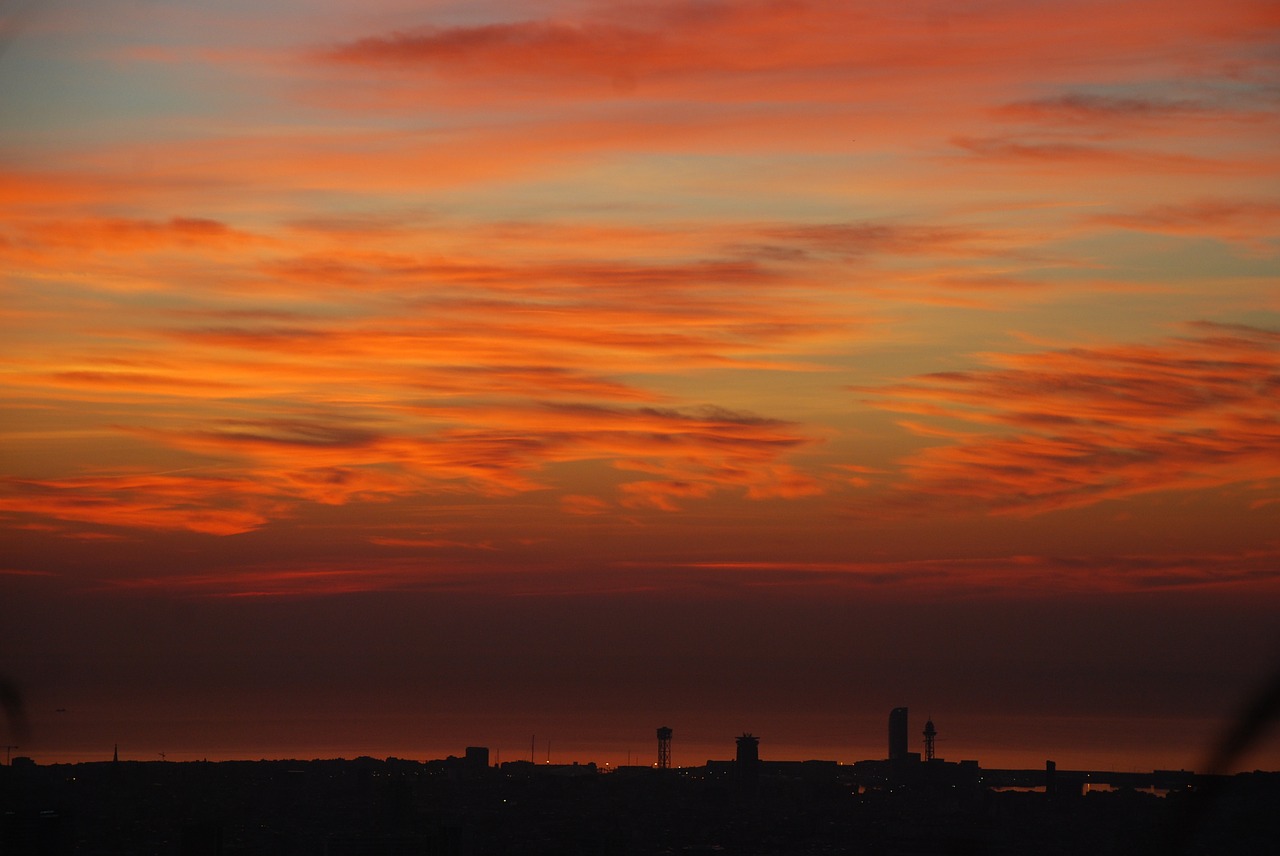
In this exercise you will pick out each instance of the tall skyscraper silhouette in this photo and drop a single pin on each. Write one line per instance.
(898, 734)
(748, 765)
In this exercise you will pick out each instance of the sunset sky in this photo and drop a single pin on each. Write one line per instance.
(390, 377)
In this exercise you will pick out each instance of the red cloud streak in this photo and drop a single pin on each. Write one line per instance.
(1097, 423)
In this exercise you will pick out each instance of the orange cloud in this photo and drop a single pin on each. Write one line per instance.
(1252, 224)
(1035, 153)
(213, 506)
(22, 188)
(1083, 107)
(855, 240)
(268, 468)
(126, 235)
(538, 47)
(1098, 423)
(584, 505)
(636, 47)
(284, 301)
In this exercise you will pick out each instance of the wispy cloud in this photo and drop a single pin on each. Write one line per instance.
(1016, 575)
(997, 575)
(653, 43)
(619, 261)
(1249, 223)
(268, 467)
(214, 506)
(1081, 107)
(1039, 153)
(1096, 423)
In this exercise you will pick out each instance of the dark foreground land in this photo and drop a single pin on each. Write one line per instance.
(442, 808)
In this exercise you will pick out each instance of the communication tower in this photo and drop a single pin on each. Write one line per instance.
(929, 733)
(664, 748)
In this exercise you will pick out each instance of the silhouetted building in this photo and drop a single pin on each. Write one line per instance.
(372, 807)
(664, 748)
(747, 768)
(476, 759)
(898, 734)
(1060, 784)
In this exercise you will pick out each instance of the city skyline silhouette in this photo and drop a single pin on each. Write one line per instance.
(476, 803)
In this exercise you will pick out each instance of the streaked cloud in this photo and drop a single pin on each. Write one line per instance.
(1249, 223)
(1004, 576)
(656, 41)
(1096, 423)
(1036, 152)
(214, 506)
(1080, 107)
(1016, 575)
(619, 264)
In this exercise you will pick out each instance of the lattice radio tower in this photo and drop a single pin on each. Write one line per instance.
(664, 748)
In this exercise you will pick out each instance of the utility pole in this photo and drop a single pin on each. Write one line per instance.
(7, 750)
